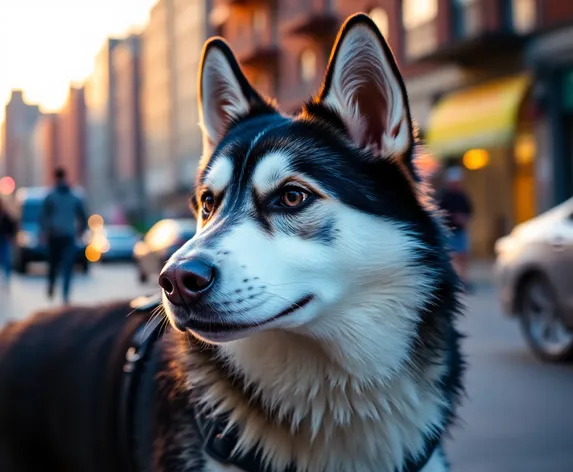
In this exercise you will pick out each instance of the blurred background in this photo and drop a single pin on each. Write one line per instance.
(108, 90)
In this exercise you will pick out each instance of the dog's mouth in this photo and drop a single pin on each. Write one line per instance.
(221, 328)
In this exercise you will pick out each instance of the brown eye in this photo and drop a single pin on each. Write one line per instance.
(291, 198)
(207, 204)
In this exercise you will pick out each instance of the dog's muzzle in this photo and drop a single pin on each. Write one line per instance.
(186, 281)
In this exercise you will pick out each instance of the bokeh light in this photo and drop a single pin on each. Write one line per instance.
(7, 185)
(95, 222)
(475, 159)
(92, 254)
(100, 242)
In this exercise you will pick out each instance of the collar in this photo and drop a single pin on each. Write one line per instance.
(217, 445)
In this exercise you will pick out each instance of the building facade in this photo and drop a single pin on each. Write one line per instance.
(72, 137)
(172, 43)
(18, 145)
(46, 140)
(128, 139)
(101, 182)
(190, 34)
(489, 83)
(158, 101)
(495, 120)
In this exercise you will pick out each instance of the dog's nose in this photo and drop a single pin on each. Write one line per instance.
(185, 282)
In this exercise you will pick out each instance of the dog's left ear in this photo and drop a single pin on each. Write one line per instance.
(363, 85)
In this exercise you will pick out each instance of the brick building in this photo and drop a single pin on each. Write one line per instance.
(172, 43)
(18, 147)
(47, 146)
(72, 137)
(487, 81)
(101, 184)
(128, 139)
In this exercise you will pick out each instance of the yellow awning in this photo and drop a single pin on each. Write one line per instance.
(481, 117)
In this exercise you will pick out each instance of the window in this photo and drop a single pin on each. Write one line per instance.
(468, 16)
(262, 83)
(259, 22)
(308, 65)
(416, 13)
(524, 15)
(380, 17)
(419, 20)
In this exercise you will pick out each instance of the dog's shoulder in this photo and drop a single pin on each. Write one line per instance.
(60, 350)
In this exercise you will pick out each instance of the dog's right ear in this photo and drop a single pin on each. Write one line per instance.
(225, 95)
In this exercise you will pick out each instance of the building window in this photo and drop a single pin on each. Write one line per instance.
(524, 15)
(419, 20)
(468, 17)
(380, 17)
(308, 65)
(262, 83)
(259, 22)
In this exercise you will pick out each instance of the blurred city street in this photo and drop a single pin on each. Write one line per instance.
(517, 417)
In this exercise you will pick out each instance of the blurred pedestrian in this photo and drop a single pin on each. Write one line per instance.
(8, 228)
(458, 210)
(63, 221)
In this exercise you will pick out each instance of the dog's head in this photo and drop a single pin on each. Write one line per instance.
(312, 223)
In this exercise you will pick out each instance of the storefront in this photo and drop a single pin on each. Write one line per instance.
(550, 56)
(489, 131)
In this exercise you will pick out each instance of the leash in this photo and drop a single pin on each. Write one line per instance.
(217, 445)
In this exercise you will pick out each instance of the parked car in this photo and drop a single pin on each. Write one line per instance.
(28, 247)
(117, 242)
(534, 274)
(159, 243)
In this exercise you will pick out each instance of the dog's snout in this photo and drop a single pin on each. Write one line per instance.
(186, 281)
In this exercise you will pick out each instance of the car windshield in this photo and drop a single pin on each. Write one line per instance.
(120, 232)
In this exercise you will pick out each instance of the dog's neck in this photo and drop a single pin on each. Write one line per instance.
(307, 402)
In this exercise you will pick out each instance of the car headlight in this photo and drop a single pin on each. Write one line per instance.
(27, 239)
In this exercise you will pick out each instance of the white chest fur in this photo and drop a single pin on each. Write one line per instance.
(435, 464)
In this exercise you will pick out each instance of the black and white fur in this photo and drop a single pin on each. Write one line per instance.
(364, 367)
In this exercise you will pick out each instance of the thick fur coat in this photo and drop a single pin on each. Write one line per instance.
(314, 308)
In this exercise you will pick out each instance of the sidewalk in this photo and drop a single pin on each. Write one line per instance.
(481, 273)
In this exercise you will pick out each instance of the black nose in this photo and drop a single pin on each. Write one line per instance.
(184, 282)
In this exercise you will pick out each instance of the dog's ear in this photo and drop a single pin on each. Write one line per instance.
(225, 95)
(364, 86)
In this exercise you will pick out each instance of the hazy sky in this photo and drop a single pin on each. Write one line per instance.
(45, 44)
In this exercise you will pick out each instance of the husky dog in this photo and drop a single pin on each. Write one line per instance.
(313, 312)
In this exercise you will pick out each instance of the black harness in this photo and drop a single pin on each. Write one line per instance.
(218, 446)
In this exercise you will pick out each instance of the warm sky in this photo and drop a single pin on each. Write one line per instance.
(46, 44)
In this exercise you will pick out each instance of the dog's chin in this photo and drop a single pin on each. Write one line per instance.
(217, 328)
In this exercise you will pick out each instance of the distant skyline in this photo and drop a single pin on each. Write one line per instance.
(46, 44)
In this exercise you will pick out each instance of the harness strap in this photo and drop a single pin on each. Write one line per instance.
(136, 356)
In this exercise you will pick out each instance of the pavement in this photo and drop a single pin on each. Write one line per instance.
(517, 416)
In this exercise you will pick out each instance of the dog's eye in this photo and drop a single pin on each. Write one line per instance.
(207, 204)
(293, 197)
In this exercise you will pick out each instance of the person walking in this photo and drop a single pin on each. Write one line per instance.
(8, 228)
(62, 221)
(457, 208)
